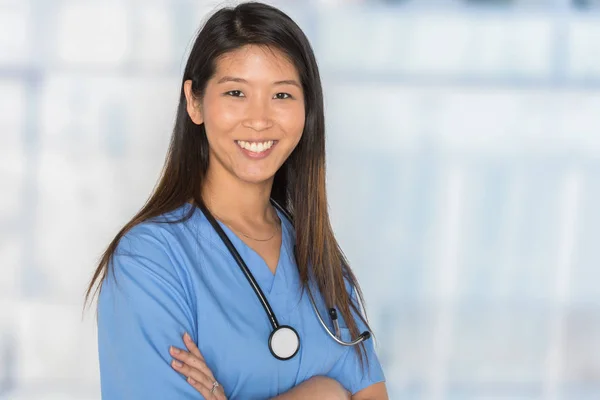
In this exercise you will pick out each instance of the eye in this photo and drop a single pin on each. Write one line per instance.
(235, 93)
(283, 96)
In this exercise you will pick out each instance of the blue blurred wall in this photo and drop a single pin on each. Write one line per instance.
(463, 173)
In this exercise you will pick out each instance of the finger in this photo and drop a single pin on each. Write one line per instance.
(207, 391)
(203, 389)
(191, 361)
(191, 346)
(218, 394)
(193, 373)
(221, 395)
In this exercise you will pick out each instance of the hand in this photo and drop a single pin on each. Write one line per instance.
(191, 364)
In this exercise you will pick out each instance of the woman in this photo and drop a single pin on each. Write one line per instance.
(249, 136)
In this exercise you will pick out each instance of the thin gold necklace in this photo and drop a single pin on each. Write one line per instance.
(242, 233)
(250, 237)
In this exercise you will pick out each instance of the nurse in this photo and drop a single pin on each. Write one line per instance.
(192, 289)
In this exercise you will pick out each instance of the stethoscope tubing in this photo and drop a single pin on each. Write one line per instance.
(354, 342)
(259, 293)
(243, 267)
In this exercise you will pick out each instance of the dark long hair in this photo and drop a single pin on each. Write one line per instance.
(299, 185)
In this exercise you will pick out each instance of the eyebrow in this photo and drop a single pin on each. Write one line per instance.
(240, 80)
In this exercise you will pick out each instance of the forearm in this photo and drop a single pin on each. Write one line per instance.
(318, 388)
(376, 391)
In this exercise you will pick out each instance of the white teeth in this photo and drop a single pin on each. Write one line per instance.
(254, 146)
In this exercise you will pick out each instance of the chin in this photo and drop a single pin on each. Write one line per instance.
(255, 178)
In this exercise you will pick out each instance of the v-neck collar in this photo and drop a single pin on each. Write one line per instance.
(269, 282)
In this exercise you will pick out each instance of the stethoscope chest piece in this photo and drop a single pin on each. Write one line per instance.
(284, 342)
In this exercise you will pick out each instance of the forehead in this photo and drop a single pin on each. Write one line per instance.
(260, 62)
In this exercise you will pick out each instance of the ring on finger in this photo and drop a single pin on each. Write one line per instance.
(215, 385)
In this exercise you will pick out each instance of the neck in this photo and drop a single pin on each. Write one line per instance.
(233, 200)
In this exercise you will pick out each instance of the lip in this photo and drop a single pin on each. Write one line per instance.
(256, 156)
(256, 141)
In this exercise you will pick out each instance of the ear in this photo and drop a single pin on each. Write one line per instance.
(193, 103)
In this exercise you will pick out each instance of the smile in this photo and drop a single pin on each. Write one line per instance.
(256, 147)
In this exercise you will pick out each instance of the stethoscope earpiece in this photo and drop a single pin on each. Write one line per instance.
(332, 314)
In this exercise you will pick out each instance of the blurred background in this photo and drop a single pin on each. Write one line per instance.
(463, 173)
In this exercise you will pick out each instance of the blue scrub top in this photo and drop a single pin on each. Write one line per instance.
(167, 279)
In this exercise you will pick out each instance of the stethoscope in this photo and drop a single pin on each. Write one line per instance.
(284, 341)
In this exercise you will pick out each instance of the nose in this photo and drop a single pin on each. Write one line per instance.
(258, 115)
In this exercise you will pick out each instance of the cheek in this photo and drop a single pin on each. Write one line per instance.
(220, 118)
(299, 125)
(293, 121)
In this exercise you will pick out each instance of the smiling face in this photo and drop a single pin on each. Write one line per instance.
(253, 113)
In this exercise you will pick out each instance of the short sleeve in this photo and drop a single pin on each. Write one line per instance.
(348, 370)
(142, 310)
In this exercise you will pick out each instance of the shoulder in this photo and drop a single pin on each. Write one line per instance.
(163, 244)
(164, 232)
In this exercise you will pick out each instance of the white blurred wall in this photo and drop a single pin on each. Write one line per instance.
(464, 181)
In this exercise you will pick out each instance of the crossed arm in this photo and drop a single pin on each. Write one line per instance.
(192, 365)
